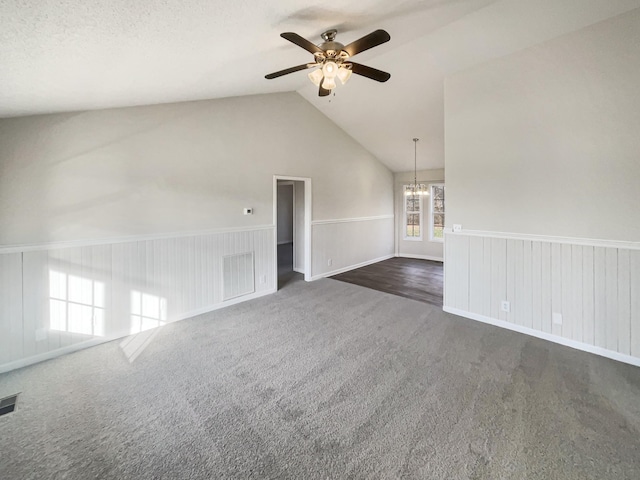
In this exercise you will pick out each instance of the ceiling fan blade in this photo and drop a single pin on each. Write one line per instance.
(368, 41)
(297, 68)
(323, 92)
(301, 42)
(372, 73)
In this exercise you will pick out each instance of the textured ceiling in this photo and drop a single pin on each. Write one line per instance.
(65, 55)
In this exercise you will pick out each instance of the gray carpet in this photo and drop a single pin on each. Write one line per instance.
(325, 380)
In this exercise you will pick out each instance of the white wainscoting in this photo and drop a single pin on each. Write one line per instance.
(10, 306)
(350, 243)
(57, 300)
(593, 284)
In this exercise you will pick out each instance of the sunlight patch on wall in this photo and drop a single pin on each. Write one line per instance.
(147, 311)
(76, 304)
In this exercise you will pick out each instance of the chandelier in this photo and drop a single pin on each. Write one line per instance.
(416, 189)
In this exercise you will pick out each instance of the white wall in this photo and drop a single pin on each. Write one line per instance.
(285, 213)
(132, 177)
(424, 248)
(543, 145)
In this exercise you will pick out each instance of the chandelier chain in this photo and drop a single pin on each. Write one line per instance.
(415, 164)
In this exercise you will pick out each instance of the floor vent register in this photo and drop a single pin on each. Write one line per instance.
(8, 404)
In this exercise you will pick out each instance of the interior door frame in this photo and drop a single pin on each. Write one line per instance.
(307, 223)
(284, 183)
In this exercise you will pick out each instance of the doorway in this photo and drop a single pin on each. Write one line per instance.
(292, 221)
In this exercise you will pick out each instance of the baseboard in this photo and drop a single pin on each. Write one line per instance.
(420, 257)
(227, 303)
(351, 267)
(25, 362)
(603, 352)
(298, 270)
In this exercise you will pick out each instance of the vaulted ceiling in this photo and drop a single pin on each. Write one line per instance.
(65, 55)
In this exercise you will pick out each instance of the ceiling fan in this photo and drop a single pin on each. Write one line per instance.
(333, 59)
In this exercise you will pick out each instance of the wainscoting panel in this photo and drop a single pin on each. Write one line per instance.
(334, 240)
(10, 306)
(53, 301)
(595, 288)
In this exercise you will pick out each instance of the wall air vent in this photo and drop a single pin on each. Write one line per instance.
(237, 275)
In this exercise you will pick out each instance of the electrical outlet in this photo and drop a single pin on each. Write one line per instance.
(457, 227)
(329, 262)
(505, 306)
(556, 318)
(263, 279)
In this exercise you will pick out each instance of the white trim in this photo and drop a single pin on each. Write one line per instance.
(292, 184)
(307, 224)
(24, 362)
(549, 238)
(431, 237)
(29, 247)
(546, 336)
(420, 257)
(444, 274)
(298, 270)
(348, 220)
(351, 267)
(294, 224)
(226, 303)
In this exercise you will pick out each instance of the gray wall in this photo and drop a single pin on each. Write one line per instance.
(285, 213)
(175, 168)
(542, 172)
(546, 141)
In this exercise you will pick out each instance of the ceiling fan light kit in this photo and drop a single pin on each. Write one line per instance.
(331, 59)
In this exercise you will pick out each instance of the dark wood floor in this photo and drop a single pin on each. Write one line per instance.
(411, 278)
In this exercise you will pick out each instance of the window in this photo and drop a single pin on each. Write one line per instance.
(412, 215)
(436, 224)
(76, 304)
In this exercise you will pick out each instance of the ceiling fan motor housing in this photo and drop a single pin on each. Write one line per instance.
(334, 59)
(330, 46)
